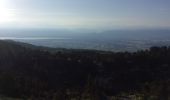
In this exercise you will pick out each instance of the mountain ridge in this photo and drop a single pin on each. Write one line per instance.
(36, 73)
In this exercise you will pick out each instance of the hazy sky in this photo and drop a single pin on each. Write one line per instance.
(85, 14)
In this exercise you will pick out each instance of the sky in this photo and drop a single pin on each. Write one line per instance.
(85, 14)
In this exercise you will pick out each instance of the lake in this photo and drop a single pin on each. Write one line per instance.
(114, 40)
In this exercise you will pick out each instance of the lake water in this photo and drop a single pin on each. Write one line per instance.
(116, 40)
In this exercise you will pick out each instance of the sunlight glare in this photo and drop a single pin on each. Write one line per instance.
(6, 14)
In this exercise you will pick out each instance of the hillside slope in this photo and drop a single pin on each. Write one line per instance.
(35, 73)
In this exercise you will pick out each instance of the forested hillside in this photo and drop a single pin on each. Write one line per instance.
(39, 74)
